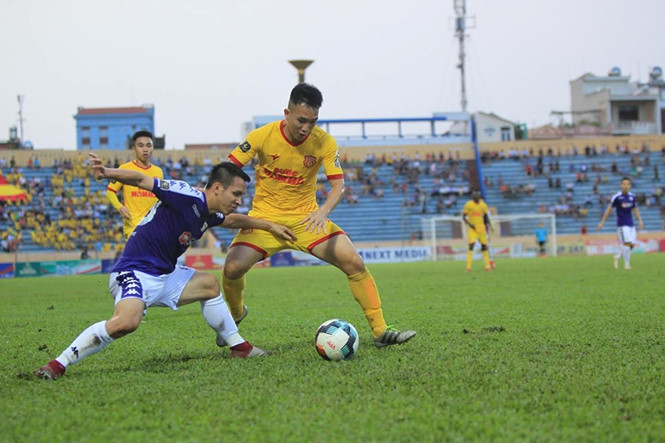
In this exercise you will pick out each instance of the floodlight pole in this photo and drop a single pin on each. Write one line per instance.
(301, 66)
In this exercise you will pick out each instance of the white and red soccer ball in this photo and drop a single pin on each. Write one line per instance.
(336, 340)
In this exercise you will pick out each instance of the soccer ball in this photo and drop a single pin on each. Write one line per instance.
(336, 340)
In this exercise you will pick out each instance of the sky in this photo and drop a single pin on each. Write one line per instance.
(207, 66)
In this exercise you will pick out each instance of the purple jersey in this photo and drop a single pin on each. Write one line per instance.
(624, 204)
(168, 229)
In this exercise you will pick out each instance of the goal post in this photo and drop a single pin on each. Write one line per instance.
(513, 235)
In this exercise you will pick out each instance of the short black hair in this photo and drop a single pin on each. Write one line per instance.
(626, 178)
(224, 173)
(304, 93)
(140, 134)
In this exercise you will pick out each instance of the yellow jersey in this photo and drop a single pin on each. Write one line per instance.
(286, 174)
(475, 213)
(137, 200)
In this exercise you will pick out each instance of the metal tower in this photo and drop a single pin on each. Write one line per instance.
(460, 29)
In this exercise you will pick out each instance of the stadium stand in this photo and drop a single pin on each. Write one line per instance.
(385, 200)
(576, 187)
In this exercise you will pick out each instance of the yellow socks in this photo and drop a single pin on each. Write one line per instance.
(486, 259)
(469, 258)
(364, 291)
(233, 295)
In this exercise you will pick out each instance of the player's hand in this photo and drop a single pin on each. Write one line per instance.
(125, 212)
(600, 226)
(282, 232)
(315, 221)
(641, 225)
(97, 166)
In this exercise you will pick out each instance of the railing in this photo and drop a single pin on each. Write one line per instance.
(634, 128)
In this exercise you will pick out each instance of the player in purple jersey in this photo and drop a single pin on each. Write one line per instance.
(146, 274)
(626, 206)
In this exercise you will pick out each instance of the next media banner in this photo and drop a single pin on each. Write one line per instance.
(395, 254)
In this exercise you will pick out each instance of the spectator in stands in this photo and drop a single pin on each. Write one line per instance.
(136, 202)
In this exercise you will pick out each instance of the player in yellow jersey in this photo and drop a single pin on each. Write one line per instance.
(475, 215)
(290, 153)
(136, 201)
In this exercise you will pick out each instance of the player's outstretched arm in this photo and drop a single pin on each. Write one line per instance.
(240, 221)
(124, 176)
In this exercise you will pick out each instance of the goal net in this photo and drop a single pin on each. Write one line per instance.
(514, 235)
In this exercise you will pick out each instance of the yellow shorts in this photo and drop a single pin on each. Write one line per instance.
(267, 244)
(480, 235)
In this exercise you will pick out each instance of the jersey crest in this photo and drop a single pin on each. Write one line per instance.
(309, 161)
(185, 238)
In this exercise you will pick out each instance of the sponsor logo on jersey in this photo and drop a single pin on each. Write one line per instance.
(245, 146)
(274, 156)
(196, 211)
(141, 193)
(284, 175)
(163, 184)
(309, 161)
(204, 227)
(186, 239)
(337, 164)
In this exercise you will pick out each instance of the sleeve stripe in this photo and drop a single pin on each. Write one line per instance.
(336, 177)
(235, 160)
(108, 188)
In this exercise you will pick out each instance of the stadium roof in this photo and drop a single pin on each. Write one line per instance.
(122, 110)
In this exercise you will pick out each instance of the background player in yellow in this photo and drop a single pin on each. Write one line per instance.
(475, 215)
(136, 202)
(290, 154)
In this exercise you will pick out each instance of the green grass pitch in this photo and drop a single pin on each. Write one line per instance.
(556, 349)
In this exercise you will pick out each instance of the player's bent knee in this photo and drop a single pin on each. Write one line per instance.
(233, 270)
(471, 245)
(352, 265)
(211, 285)
(483, 247)
(121, 326)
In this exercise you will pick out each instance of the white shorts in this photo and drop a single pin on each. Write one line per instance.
(627, 234)
(161, 290)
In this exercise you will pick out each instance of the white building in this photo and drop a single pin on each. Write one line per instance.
(618, 106)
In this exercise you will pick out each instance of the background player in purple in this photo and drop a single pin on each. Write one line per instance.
(146, 274)
(625, 205)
